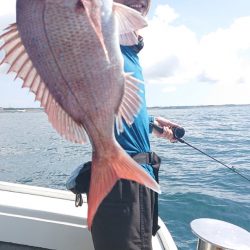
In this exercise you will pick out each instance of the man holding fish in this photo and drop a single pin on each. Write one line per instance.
(67, 53)
(127, 217)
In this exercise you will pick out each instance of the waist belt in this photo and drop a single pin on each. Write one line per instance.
(150, 158)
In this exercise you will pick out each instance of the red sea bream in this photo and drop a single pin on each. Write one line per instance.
(67, 53)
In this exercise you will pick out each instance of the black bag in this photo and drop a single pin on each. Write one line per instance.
(79, 182)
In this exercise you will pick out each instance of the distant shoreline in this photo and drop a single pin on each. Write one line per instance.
(197, 106)
(21, 109)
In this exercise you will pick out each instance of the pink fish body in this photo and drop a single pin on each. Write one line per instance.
(67, 53)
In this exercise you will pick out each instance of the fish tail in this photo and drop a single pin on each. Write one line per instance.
(107, 170)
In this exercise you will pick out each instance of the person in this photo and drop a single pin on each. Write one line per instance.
(127, 217)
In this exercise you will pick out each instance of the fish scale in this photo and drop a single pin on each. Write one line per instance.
(71, 65)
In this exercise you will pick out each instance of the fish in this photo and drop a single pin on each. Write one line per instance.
(67, 53)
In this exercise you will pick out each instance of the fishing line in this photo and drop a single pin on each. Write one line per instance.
(179, 132)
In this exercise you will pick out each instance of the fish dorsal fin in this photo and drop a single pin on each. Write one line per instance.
(129, 21)
(20, 63)
(131, 102)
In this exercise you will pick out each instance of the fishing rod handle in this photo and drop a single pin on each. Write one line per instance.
(178, 132)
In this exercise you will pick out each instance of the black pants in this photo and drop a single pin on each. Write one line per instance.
(124, 220)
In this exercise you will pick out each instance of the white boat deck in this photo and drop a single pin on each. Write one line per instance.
(47, 218)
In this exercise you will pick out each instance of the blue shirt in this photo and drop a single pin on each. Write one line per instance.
(135, 138)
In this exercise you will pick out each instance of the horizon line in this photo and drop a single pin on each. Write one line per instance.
(149, 107)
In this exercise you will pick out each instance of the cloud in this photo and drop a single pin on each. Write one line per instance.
(165, 68)
(174, 55)
(169, 89)
(220, 52)
(7, 13)
(204, 78)
(8, 8)
(169, 50)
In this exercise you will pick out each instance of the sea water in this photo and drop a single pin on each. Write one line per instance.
(193, 186)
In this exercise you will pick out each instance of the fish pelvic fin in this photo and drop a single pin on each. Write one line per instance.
(20, 63)
(107, 170)
(131, 102)
(94, 14)
(129, 21)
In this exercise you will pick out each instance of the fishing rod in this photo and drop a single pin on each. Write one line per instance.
(179, 132)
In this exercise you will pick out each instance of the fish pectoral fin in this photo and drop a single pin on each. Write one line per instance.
(131, 102)
(129, 21)
(20, 63)
(107, 171)
(128, 39)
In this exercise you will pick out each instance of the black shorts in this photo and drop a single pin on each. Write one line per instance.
(124, 220)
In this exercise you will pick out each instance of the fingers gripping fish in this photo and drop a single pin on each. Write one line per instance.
(68, 55)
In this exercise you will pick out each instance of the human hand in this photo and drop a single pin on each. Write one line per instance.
(167, 129)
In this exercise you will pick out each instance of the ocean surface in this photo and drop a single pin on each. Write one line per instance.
(193, 186)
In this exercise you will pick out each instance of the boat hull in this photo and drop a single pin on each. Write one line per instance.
(47, 218)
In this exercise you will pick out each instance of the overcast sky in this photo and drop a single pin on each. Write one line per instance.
(197, 52)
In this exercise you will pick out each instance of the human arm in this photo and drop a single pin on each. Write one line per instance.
(167, 126)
